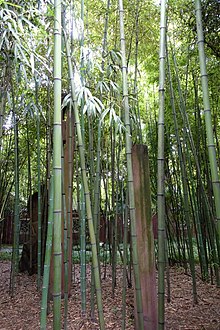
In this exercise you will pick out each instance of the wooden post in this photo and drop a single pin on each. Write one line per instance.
(145, 237)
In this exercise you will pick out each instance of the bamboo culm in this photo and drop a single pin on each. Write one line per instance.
(140, 320)
(160, 168)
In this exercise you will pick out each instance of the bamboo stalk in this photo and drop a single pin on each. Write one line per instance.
(57, 168)
(39, 244)
(46, 276)
(87, 195)
(160, 175)
(16, 224)
(207, 112)
(140, 320)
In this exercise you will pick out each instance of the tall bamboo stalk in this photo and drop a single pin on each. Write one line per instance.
(135, 89)
(29, 194)
(68, 251)
(182, 157)
(2, 108)
(57, 167)
(16, 225)
(190, 144)
(140, 320)
(160, 175)
(39, 244)
(207, 112)
(65, 247)
(46, 276)
(82, 194)
(125, 259)
(87, 195)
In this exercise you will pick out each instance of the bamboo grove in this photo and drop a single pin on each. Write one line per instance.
(95, 98)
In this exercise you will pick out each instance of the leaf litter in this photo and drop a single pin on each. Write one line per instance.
(23, 310)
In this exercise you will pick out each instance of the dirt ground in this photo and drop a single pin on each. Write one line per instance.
(22, 311)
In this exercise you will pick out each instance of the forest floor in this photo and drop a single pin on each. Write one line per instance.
(22, 311)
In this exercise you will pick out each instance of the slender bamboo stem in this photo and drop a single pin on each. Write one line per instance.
(140, 320)
(29, 194)
(184, 177)
(87, 195)
(125, 260)
(46, 276)
(160, 176)
(207, 112)
(39, 244)
(16, 226)
(57, 167)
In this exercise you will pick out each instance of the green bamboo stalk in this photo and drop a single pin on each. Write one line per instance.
(65, 244)
(2, 108)
(87, 195)
(125, 260)
(207, 112)
(82, 193)
(96, 209)
(187, 220)
(184, 177)
(196, 197)
(66, 205)
(16, 226)
(96, 212)
(160, 176)
(57, 167)
(178, 221)
(113, 218)
(46, 276)
(140, 320)
(97, 181)
(188, 134)
(39, 244)
(83, 252)
(135, 88)
(29, 194)
(97, 174)
(69, 213)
